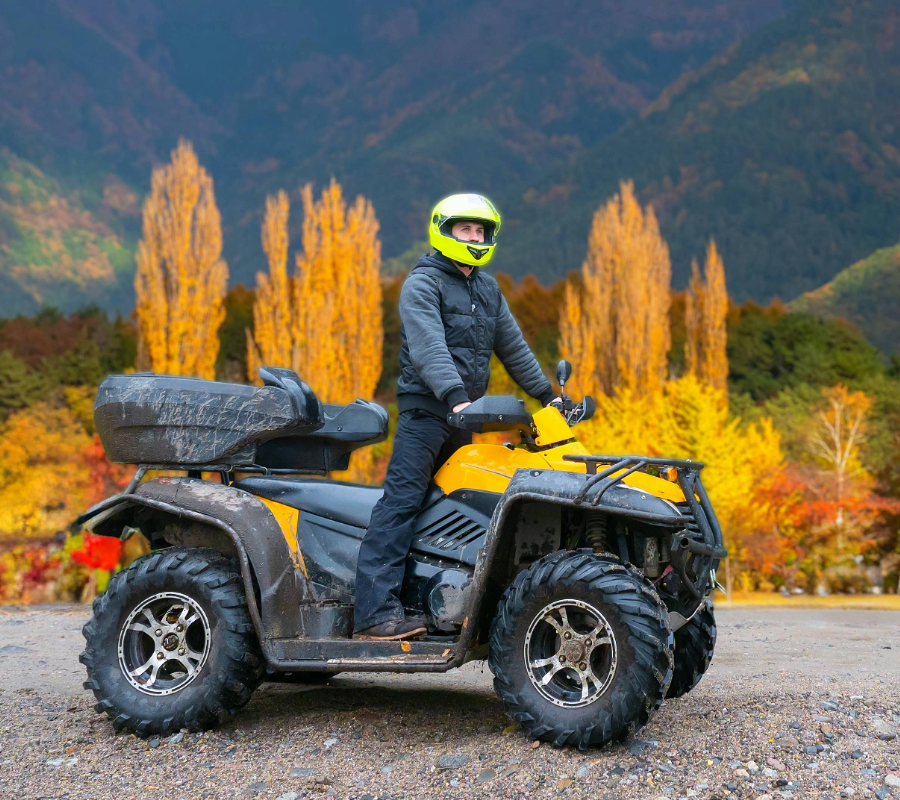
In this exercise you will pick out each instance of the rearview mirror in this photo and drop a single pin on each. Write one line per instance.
(589, 408)
(563, 373)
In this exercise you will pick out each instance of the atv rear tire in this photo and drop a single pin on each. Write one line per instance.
(580, 649)
(171, 644)
(694, 646)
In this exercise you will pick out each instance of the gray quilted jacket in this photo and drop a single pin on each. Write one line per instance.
(449, 325)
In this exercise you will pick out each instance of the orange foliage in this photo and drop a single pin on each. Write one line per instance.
(271, 342)
(325, 322)
(705, 314)
(615, 326)
(181, 278)
(337, 325)
(44, 477)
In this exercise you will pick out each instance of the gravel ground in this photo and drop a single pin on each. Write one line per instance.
(798, 704)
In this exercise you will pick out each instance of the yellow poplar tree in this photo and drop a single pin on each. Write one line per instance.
(271, 342)
(706, 310)
(336, 321)
(614, 326)
(181, 278)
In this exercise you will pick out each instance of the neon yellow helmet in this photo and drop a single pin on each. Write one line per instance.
(459, 207)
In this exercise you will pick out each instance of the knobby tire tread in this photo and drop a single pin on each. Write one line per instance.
(633, 695)
(239, 673)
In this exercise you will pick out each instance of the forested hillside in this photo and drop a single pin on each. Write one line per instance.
(399, 101)
(786, 150)
(866, 294)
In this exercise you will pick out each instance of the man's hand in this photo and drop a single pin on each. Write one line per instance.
(460, 406)
(554, 400)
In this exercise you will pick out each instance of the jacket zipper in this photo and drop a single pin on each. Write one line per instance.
(474, 322)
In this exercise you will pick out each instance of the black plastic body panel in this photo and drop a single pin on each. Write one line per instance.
(164, 419)
(346, 428)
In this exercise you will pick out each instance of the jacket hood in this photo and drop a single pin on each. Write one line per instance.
(443, 263)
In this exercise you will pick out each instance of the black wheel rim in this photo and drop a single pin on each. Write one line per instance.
(570, 653)
(164, 643)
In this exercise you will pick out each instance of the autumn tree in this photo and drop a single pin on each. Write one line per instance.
(837, 441)
(271, 341)
(181, 278)
(325, 321)
(705, 316)
(337, 322)
(614, 322)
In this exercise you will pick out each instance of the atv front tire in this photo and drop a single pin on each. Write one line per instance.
(171, 644)
(694, 646)
(580, 649)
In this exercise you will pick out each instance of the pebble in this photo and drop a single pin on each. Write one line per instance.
(564, 783)
(752, 766)
(786, 742)
(301, 772)
(288, 796)
(582, 772)
(453, 761)
(329, 743)
(774, 763)
(485, 775)
(175, 738)
(154, 742)
(255, 788)
(741, 773)
(770, 773)
(857, 754)
(892, 780)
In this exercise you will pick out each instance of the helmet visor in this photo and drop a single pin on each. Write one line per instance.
(446, 226)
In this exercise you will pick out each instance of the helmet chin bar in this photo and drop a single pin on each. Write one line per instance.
(477, 254)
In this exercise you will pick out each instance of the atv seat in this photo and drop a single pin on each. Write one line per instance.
(350, 503)
(346, 428)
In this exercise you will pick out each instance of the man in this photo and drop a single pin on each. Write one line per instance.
(452, 317)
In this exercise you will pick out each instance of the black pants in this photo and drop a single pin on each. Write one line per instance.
(422, 443)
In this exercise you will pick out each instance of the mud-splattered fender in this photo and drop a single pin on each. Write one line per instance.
(254, 531)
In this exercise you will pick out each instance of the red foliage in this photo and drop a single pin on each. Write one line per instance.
(99, 552)
(106, 478)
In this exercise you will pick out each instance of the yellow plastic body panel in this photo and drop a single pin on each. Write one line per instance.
(552, 427)
(490, 467)
(288, 520)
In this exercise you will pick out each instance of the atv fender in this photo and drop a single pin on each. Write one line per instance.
(269, 573)
(559, 488)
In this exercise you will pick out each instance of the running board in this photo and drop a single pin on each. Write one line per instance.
(360, 654)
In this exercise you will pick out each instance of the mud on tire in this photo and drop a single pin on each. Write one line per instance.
(610, 687)
(202, 637)
(694, 646)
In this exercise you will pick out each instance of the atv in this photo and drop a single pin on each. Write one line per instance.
(584, 580)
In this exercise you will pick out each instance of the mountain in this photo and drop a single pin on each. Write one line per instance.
(58, 242)
(402, 101)
(786, 149)
(866, 294)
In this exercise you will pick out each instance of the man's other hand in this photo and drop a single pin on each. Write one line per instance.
(460, 406)
(557, 400)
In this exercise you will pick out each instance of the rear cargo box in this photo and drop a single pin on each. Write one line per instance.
(163, 419)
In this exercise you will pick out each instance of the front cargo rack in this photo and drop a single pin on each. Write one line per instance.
(616, 468)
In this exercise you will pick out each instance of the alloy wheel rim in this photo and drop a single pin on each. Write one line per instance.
(570, 653)
(164, 643)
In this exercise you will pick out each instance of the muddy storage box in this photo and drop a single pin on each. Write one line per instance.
(163, 419)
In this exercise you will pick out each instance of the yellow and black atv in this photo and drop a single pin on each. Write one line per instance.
(584, 580)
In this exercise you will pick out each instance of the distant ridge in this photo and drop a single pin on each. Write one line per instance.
(786, 149)
(866, 294)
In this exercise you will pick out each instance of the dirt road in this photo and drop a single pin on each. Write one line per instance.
(798, 703)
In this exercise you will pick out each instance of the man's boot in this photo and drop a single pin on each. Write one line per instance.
(392, 629)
